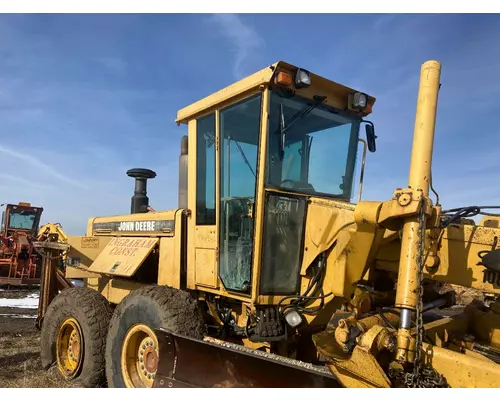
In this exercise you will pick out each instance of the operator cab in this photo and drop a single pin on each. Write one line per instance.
(261, 149)
(21, 217)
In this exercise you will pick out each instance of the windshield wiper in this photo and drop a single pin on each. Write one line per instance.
(245, 158)
(296, 117)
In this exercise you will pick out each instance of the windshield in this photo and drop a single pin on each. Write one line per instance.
(312, 154)
(22, 219)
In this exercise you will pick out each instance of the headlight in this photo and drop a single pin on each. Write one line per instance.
(360, 100)
(302, 79)
(293, 318)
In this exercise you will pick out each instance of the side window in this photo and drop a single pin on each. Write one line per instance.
(205, 170)
(292, 161)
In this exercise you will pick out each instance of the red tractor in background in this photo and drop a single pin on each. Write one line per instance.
(19, 262)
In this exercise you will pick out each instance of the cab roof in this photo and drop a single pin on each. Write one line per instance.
(262, 77)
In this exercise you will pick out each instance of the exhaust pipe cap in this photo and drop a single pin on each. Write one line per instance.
(141, 173)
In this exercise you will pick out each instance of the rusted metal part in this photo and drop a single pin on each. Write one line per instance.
(47, 289)
(63, 283)
(52, 278)
(61, 247)
(210, 363)
(19, 281)
(18, 261)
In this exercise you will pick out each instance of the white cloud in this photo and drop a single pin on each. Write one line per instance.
(20, 181)
(41, 167)
(245, 39)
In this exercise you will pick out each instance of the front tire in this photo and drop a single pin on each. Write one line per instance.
(131, 345)
(73, 335)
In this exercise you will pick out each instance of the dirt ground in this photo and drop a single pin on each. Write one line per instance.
(20, 348)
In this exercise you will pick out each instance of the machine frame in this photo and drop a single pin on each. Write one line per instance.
(369, 272)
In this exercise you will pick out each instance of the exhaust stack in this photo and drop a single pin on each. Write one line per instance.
(140, 200)
(183, 174)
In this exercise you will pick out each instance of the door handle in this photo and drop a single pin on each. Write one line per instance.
(250, 209)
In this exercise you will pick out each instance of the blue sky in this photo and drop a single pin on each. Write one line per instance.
(85, 97)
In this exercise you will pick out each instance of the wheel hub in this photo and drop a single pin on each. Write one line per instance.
(69, 344)
(139, 357)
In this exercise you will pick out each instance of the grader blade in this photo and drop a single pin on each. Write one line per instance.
(186, 362)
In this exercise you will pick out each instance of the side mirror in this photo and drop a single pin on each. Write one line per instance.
(370, 136)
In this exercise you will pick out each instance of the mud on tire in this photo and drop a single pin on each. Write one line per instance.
(155, 307)
(92, 312)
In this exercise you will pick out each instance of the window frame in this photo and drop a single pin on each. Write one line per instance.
(351, 159)
(221, 156)
(206, 221)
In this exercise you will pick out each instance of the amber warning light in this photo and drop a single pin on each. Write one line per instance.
(302, 78)
(284, 78)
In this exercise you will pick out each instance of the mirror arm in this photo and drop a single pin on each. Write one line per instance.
(365, 145)
(368, 122)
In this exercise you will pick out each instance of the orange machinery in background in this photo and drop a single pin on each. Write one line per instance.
(19, 262)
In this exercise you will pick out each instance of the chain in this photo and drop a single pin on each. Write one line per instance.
(46, 256)
(419, 339)
(428, 378)
(422, 376)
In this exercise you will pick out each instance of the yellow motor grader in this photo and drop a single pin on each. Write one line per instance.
(267, 274)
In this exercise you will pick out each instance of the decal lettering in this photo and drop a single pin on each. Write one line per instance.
(127, 247)
(123, 251)
(134, 243)
(140, 226)
(160, 226)
(89, 242)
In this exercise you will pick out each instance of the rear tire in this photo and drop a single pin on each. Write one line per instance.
(131, 345)
(73, 335)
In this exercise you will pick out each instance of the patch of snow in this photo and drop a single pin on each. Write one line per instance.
(30, 301)
(18, 315)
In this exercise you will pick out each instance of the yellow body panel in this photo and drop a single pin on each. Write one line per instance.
(458, 257)
(82, 253)
(169, 271)
(114, 289)
(461, 370)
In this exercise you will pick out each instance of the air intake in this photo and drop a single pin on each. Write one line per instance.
(140, 201)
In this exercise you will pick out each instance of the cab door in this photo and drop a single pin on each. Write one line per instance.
(238, 151)
(222, 173)
(202, 265)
